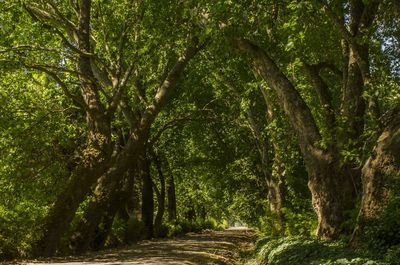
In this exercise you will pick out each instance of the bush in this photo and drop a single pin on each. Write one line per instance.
(163, 230)
(174, 229)
(392, 255)
(182, 227)
(299, 223)
(7, 250)
(135, 230)
(223, 225)
(125, 232)
(384, 232)
(16, 233)
(306, 251)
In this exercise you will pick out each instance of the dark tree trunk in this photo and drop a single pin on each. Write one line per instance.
(61, 214)
(160, 195)
(119, 207)
(191, 213)
(108, 197)
(171, 197)
(147, 197)
(95, 157)
(103, 230)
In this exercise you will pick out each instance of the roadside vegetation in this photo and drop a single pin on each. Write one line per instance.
(137, 119)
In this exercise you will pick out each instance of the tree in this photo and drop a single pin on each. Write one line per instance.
(103, 70)
(329, 172)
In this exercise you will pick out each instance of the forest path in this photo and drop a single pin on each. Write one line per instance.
(211, 247)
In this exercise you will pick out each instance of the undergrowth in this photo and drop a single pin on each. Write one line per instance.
(306, 251)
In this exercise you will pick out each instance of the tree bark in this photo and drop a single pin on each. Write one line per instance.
(380, 175)
(276, 184)
(147, 197)
(94, 159)
(109, 183)
(171, 197)
(160, 195)
(326, 178)
(107, 200)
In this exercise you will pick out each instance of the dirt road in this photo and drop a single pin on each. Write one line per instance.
(214, 247)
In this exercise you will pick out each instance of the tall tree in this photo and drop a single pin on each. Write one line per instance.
(329, 172)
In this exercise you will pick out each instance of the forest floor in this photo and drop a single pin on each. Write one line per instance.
(209, 247)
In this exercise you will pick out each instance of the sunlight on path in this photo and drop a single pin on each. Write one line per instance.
(212, 247)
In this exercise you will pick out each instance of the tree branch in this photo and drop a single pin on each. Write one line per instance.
(290, 100)
(324, 95)
(169, 83)
(63, 86)
(169, 125)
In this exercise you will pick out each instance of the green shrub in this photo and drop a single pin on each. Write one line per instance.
(163, 230)
(384, 232)
(223, 225)
(16, 233)
(299, 223)
(306, 251)
(7, 249)
(182, 227)
(186, 226)
(125, 232)
(209, 223)
(175, 229)
(135, 230)
(392, 255)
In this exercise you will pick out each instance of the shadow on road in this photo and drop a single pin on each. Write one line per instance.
(211, 247)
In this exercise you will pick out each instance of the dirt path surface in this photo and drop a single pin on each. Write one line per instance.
(213, 247)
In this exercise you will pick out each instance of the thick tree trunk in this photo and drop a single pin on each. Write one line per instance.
(107, 196)
(104, 229)
(95, 157)
(380, 174)
(111, 198)
(106, 190)
(332, 192)
(330, 187)
(61, 214)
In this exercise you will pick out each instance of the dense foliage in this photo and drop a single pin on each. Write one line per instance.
(125, 120)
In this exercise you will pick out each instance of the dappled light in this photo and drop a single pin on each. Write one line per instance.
(220, 247)
(246, 132)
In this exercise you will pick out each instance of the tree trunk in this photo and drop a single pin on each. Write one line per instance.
(171, 197)
(107, 196)
(326, 178)
(332, 192)
(95, 157)
(106, 190)
(276, 193)
(276, 183)
(61, 214)
(380, 174)
(160, 195)
(274, 180)
(147, 197)
(103, 230)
